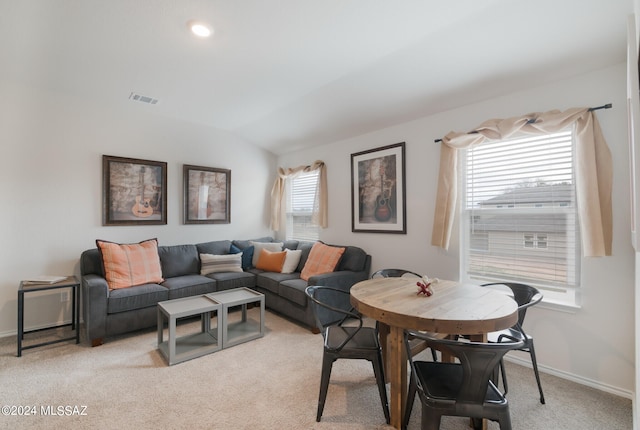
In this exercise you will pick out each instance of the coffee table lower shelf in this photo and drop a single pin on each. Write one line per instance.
(190, 346)
(178, 349)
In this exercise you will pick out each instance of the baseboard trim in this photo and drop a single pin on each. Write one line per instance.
(574, 378)
(43, 326)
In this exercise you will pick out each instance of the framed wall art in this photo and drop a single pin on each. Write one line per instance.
(378, 190)
(134, 192)
(207, 195)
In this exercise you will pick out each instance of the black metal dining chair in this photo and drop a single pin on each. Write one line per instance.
(394, 273)
(458, 389)
(526, 296)
(417, 346)
(344, 337)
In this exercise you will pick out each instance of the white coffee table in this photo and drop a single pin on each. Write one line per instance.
(246, 329)
(208, 340)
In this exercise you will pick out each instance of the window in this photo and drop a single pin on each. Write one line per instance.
(301, 192)
(519, 214)
(535, 240)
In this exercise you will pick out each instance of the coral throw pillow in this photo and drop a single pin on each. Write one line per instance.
(126, 265)
(271, 261)
(322, 259)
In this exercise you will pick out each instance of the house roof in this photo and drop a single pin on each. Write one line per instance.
(531, 195)
(522, 223)
(290, 74)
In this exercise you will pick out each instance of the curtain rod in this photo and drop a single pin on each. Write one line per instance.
(533, 120)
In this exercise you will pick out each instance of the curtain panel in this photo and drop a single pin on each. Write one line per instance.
(319, 215)
(593, 167)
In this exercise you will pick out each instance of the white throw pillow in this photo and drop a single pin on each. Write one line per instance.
(269, 246)
(291, 261)
(212, 263)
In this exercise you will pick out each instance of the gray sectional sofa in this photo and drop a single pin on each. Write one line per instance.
(111, 312)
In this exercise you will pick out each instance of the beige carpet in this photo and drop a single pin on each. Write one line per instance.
(269, 383)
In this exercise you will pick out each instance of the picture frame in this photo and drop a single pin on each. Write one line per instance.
(207, 195)
(134, 191)
(378, 191)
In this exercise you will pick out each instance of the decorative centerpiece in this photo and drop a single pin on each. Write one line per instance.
(424, 286)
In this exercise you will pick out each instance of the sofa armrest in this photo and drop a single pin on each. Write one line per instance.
(95, 293)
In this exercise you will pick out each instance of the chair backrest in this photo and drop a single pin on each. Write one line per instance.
(394, 273)
(327, 309)
(524, 295)
(478, 361)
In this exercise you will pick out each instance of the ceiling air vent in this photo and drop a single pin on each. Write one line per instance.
(143, 99)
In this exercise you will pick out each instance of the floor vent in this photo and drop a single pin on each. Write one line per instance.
(143, 99)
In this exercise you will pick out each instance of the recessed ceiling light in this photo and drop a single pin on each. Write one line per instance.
(200, 29)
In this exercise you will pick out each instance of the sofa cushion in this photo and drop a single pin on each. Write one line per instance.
(131, 264)
(353, 259)
(271, 261)
(189, 285)
(179, 260)
(305, 247)
(229, 280)
(214, 247)
(293, 290)
(290, 244)
(269, 246)
(210, 263)
(138, 297)
(291, 261)
(271, 280)
(322, 259)
(242, 244)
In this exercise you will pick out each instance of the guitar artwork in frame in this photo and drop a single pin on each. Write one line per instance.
(378, 190)
(134, 191)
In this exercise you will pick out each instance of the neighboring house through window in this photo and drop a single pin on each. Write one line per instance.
(519, 214)
(301, 194)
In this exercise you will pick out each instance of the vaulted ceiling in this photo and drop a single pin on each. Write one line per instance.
(287, 74)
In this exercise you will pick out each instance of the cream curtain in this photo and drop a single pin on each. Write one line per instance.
(319, 216)
(593, 172)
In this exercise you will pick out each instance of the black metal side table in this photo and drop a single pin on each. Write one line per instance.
(26, 287)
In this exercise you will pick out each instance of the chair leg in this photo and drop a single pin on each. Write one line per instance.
(411, 396)
(504, 378)
(378, 371)
(430, 419)
(534, 362)
(504, 419)
(327, 363)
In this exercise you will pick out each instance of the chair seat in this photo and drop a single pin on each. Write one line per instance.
(443, 381)
(366, 338)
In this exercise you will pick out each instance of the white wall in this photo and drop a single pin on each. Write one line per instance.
(51, 186)
(593, 345)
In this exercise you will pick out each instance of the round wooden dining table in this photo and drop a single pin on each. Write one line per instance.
(453, 308)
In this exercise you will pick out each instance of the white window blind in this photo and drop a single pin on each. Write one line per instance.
(300, 201)
(520, 218)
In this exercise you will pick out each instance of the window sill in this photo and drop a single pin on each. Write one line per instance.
(556, 300)
(560, 306)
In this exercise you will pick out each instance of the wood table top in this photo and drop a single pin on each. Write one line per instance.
(453, 308)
